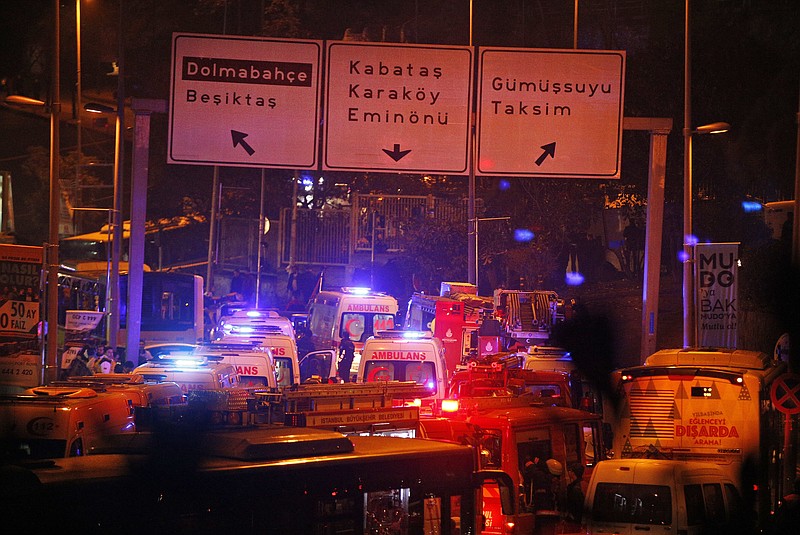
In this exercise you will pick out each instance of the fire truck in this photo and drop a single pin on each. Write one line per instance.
(506, 432)
(470, 325)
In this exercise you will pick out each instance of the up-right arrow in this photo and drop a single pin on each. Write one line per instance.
(548, 150)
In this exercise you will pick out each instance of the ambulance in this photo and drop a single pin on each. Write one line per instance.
(62, 421)
(405, 356)
(255, 358)
(192, 372)
(358, 311)
(246, 321)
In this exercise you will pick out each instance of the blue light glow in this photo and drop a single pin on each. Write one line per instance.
(504, 185)
(691, 239)
(751, 206)
(574, 279)
(683, 256)
(523, 235)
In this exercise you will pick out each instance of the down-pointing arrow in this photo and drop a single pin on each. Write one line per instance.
(396, 154)
(549, 150)
(238, 139)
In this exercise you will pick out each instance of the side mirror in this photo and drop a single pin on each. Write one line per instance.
(504, 483)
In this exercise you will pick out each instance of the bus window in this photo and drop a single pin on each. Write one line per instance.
(490, 448)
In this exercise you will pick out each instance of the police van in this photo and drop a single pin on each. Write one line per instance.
(415, 356)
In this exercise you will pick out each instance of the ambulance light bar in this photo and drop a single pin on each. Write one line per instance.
(356, 290)
(404, 335)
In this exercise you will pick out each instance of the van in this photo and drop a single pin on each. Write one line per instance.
(191, 373)
(360, 312)
(405, 356)
(243, 321)
(283, 349)
(254, 363)
(147, 397)
(631, 496)
(62, 421)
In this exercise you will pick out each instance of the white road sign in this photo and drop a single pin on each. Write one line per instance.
(550, 113)
(397, 107)
(244, 101)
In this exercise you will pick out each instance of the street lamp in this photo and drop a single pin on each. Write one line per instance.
(113, 291)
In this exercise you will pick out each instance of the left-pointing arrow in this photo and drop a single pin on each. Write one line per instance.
(238, 139)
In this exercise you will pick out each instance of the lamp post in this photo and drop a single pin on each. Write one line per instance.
(113, 291)
(689, 309)
(78, 126)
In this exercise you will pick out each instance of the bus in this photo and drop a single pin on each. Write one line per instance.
(710, 405)
(267, 480)
(177, 242)
(172, 305)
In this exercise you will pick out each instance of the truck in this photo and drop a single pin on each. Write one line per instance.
(62, 420)
(470, 325)
(508, 431)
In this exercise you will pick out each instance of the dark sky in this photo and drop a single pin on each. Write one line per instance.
(745, 56)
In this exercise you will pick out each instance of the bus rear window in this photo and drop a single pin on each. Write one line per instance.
(635, 504)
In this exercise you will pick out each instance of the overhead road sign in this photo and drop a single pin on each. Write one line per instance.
(244, 101)
(397, 107)
(550, 113)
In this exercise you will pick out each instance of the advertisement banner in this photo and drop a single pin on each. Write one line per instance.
(83, 320)
(20, 274)
(717, 266)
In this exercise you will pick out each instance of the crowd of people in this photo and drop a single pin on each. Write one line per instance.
(101, 358)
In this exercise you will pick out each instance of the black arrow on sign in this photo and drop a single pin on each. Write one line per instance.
(396, 154)
(549, 150)
(238, 139)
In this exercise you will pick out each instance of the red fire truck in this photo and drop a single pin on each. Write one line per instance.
(506, 431)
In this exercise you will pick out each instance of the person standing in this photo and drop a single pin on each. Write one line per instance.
(575, 494)
(347, 352)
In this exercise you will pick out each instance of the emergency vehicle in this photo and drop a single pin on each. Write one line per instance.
(503, 376)
(471, 326)
(62, 421)
(507, 431)
(453, 317)
(283, 349)
(405, 356)
(246, 321)
(254, 363)
(191, 373)
(147, 397)
(711, 405)
(360, 312)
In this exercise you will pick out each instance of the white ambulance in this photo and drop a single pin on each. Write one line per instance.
(191, 372)
(405, 356)
(245, 322)
(360, 312)
(257, 358)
